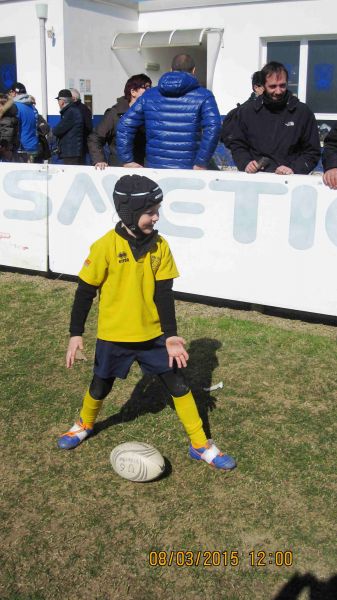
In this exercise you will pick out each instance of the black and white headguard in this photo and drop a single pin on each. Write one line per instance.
(133, 195)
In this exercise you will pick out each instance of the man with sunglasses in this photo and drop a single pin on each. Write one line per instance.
(276, 132)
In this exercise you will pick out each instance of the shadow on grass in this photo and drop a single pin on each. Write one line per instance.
(150, 396)
(318, 590)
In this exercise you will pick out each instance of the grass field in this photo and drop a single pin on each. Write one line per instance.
(71, 528)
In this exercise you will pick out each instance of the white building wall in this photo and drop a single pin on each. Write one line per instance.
(246, 25)
(89, 28)
(19, 20)
(83, 30)
(79, 49)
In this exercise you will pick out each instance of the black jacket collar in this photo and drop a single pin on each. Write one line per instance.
(65, 108)
(291, 104)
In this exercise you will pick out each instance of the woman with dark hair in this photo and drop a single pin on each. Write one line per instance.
(105, 132)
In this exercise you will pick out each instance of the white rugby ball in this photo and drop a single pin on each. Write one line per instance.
(137, 461)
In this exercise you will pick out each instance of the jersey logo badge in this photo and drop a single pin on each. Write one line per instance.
(122, 257)
(155, 262)
(87, 262)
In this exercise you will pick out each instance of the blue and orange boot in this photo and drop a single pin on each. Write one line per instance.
(212, 455)
(74, 436)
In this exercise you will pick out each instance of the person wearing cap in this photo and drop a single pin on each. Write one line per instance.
(16, 89)
(133, 269)
(106, 130)
(70, 130)
(24, 110)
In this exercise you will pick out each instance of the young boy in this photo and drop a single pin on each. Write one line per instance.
(133, 268)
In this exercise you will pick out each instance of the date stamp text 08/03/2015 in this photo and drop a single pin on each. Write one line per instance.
(219, 558)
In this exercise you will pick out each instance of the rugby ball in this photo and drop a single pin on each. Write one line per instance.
(137, 461)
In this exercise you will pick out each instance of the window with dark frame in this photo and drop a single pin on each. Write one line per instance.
(7, 63)
(321, 70)
(287, 53)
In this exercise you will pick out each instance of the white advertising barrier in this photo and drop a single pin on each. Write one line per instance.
(82, 211)
(23, 216)
(264, 239)
(261, 238)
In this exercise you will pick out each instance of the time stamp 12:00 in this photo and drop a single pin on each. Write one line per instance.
(219, 558)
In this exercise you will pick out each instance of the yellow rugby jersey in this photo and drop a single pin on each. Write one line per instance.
(127, 312)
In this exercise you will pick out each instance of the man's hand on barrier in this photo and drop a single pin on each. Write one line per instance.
(101, 165)
(132, 165)
(252, 167)
(198, 168)
(330, 179)
(283, 170)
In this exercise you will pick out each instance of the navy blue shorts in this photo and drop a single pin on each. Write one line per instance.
(114, 359)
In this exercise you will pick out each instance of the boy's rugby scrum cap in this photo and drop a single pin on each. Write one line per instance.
(133, 195)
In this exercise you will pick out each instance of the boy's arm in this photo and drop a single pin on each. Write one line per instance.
(164, 301)
(83, 300)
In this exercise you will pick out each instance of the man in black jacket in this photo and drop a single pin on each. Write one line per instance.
(70, 130)
(276, 132)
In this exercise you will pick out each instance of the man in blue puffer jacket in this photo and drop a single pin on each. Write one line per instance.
(181, 118)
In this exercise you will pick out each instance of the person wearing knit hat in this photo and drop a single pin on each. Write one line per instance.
(133, 269)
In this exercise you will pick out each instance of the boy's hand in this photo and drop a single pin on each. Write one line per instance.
(175, 347)
(75, 343)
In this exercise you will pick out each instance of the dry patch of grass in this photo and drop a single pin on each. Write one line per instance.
(72, 528)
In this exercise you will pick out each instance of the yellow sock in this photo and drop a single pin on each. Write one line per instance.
(189, 416)
(90, 409)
